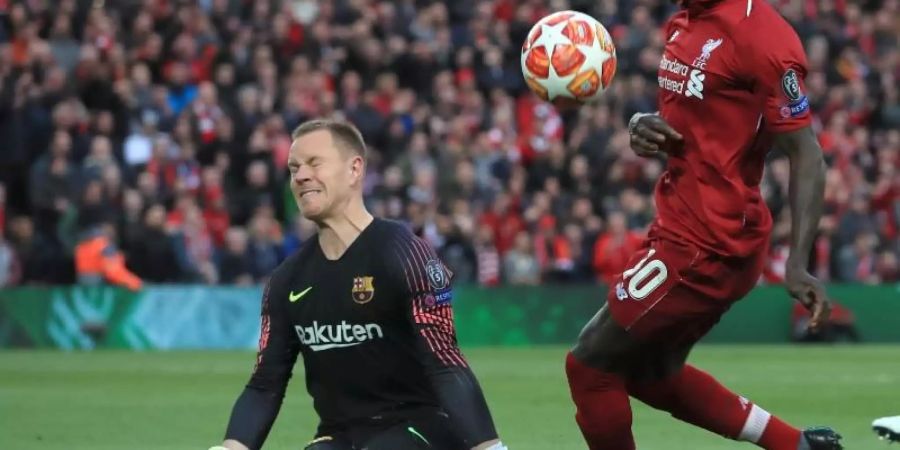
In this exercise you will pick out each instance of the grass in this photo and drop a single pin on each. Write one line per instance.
(181, 400)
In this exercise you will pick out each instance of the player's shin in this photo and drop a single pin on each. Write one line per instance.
(603, 410)
(697, 398)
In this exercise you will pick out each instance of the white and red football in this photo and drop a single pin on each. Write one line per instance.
(568, 57)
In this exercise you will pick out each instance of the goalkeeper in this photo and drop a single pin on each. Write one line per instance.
(368, 305)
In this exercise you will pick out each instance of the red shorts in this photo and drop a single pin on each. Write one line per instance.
(674, 292)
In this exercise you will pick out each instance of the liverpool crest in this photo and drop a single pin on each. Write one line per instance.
(363, 289)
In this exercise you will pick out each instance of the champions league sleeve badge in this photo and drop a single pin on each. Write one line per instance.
(798, 104)
(439, 280)
(790, 84)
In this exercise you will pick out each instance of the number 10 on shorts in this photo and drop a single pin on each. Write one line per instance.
(642, 279)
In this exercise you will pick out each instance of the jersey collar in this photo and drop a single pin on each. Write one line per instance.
(698, 7)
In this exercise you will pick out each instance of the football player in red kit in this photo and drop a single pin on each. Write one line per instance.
(730, 88)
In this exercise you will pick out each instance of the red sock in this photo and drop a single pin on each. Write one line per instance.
(603, 411)
(697, 398)
(779, 435)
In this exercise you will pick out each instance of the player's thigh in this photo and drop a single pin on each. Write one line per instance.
(430, 430)
(329, 443)
(606, 345)
(688, 292)
(664, 299)
(608, 341)
(400, 436)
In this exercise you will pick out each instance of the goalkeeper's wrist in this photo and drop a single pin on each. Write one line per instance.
(498, 446)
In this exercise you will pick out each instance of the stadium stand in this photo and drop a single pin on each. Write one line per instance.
(171, 120)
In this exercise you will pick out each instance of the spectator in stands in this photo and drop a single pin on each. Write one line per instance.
(505, 221)
(520, 267)
(260, 189)
(855, 222)
(93, 207)
(857, 260)
(130, 220)
(581, 253)
(233, 262)
(887, 268)
(9, 264)
(215, 208)
(38, 258)
(2, 208)
(152, 253)
(614, 247)
(487, 257)
(193, 245)
(456, 251)
(553, 251)
(115, 93)
(99, 159)
(98, 259)
(52, 183)
(263, 245)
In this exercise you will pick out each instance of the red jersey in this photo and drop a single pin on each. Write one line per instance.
(731, 75)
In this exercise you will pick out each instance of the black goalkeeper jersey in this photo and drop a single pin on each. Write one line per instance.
(375, 331)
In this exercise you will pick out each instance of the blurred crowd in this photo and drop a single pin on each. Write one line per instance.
(146, 140)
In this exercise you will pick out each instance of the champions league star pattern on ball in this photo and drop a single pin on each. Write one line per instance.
(568, 56)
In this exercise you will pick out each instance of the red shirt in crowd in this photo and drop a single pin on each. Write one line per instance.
(611, 253)
(506, 226)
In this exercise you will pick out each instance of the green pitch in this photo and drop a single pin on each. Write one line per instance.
(181, 401)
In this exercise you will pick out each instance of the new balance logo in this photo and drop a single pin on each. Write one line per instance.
(695, 84)
(324, 337)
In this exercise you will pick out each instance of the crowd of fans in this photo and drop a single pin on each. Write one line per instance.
(163, 128)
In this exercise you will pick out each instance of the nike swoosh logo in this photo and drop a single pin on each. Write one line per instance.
(294, 297)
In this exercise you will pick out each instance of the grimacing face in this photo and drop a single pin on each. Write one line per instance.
(323, 177)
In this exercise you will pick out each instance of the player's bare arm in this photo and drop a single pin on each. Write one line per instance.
(806, 192)
(650, 134)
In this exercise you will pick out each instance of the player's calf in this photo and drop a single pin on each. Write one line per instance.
(603, 412)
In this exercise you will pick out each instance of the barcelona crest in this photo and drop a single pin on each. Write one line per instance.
(363, 289)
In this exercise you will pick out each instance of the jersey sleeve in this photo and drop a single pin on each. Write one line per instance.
(427, 296)
(257, 407)
(777, 66)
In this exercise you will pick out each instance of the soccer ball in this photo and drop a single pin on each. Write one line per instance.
(568, 57)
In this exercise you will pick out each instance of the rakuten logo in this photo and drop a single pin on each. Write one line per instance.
(324, 337)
